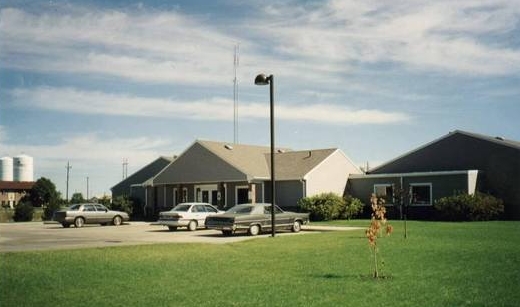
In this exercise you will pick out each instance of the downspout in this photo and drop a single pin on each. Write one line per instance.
(145, 200)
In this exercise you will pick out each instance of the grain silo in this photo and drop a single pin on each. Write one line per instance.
(6, 169)
(23, 168)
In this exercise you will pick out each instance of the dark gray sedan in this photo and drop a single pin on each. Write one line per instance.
(254, 219)
(89, 213)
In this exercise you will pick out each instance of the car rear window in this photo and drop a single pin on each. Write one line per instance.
(241, 210)
(183, 208)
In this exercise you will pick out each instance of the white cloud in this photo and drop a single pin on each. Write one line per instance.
(91, 155)
(441, 35)
(217, 108)
(150, 46)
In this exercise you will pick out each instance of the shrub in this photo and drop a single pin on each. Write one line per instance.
(464, 207)
(353, 207)
(48, 211)
(322, 207)
(122, 203)
(23, 212)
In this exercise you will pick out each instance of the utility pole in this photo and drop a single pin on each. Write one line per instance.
(125, 168)
(87, 189)
(68, 167)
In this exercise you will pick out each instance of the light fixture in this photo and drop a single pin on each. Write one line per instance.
(262, 79)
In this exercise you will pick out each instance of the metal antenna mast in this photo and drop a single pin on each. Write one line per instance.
(125, 168)
(235, 95)
(68, 167)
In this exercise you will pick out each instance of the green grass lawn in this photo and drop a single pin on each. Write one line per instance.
(440, 264)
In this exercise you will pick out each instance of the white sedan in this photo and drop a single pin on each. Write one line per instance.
(190, 215)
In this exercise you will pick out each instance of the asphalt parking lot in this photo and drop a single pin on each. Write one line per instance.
(39, 236)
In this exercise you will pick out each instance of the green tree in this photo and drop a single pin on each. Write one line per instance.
(122, 203)
(44, 194)
(77, 198)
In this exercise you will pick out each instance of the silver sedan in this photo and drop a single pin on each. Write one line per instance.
(89, 213)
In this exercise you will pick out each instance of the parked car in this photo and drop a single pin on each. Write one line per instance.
(255, 218)
(189, 215)
(89, 213)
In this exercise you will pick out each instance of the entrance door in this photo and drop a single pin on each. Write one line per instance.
(207, 193)
(242, 195)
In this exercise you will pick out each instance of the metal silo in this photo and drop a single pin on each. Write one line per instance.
(6, 169)
(23, 168)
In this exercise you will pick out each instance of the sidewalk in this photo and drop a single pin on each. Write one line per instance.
(328, 228)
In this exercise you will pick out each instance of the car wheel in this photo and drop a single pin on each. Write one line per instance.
(65, 225)
(227, 232)
(192, 226)
(254, 230)
(79, 222)
(172, 228)
(117, 220)
(296, 227)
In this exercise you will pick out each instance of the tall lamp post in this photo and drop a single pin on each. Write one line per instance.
(262, 79)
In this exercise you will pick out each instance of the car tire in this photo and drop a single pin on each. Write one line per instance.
(65, 225)
(192, 225)
(254, 230)
(117, 220)
(296, 227)
(227, 232)
(79, 222)
(172, 228)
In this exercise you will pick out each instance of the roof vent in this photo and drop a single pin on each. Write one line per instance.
(500, 138)
(228, 147)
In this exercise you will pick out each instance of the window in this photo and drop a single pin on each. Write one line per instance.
(421, 194)
(100, 208)
(385, 191)
(88, 208)
(210, 209)
(198, 208)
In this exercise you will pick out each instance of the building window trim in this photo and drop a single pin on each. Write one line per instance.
(421, 204)
(389, 199)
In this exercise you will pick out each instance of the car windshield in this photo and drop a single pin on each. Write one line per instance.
(74, 207)
(182, 208)
(240, 209)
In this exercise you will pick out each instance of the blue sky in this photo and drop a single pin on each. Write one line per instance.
(96, 82)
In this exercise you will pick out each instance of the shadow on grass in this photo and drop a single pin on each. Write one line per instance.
(351, 276)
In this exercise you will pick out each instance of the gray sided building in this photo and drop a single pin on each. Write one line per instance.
(134, 185)
(460, 162)
(228, 174)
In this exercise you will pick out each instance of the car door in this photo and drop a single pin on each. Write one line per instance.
(90, 214)
(282, 218)
(199, 213)
(103, 216)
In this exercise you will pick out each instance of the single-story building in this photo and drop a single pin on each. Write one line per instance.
(460, 162)
(133, 186)
(226, 174)
(12, 191)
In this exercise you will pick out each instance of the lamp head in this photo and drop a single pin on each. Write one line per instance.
(262, 79)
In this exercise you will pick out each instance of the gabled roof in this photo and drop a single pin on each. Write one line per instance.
(16, 185)
(254, 161)
(137, 177)
(495, 140)
(248, 159)
(297, 164)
